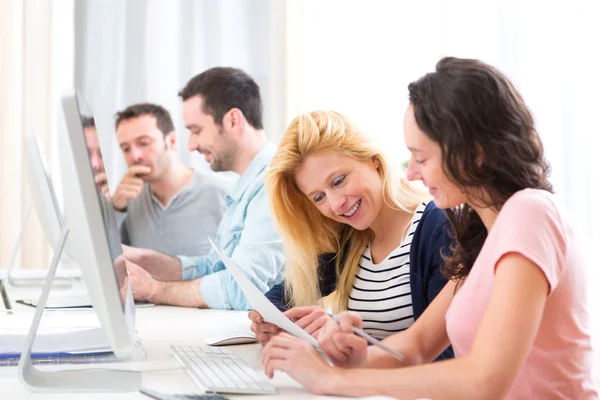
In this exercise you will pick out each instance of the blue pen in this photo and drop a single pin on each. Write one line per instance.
(372, 340)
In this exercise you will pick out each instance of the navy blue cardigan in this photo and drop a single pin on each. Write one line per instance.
(430, 240)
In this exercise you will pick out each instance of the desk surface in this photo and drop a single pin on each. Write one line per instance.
(159, 327)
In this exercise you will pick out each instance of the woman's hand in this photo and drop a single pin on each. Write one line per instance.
(263, 331)
(309, 318)
(298, 359)
(342, 346)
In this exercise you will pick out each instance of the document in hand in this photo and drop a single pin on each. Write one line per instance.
(260, 303)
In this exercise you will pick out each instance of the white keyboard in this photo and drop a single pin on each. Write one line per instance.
(220, 370)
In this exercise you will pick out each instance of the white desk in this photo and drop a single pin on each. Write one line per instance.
(158, 328)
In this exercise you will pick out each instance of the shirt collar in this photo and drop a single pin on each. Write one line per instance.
(259, 163)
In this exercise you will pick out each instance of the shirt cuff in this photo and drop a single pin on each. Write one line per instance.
(188, 268)
(213, 292)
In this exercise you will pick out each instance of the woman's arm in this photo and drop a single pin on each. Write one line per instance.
(430, 241)
(327, 283)
(503, 342)
(276, 295)
(420, 343)
(438, 246)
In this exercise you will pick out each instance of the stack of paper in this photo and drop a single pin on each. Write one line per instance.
(71, 333)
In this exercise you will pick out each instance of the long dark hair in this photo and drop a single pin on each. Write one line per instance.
(488, 140)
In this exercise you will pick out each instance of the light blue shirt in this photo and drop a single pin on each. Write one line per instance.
(247, 234)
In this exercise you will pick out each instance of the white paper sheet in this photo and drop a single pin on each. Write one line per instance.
(260, 303)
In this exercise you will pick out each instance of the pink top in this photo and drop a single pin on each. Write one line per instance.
(559, 365)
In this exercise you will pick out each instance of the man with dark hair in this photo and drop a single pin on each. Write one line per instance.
(161, 204)
(222, 109)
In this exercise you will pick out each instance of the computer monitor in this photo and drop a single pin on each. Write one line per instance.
(45, 204)
(42, 191)
(94, 238)
(48, 210)
(94, 241)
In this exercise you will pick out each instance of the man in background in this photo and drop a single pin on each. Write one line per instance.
(222, 109)
(161, 204)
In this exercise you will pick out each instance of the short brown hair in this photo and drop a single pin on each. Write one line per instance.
(224, 88)
(162, 116)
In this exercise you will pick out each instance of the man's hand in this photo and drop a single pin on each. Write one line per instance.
(130, 187)
(136, 254)
(161, 266)
(143, 286)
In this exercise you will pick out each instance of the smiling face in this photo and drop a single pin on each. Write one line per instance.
(207, 137)
(342, 188)
(426, 165)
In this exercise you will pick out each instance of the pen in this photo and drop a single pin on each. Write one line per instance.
(372, 340)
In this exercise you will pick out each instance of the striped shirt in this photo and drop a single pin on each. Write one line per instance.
(381, 292)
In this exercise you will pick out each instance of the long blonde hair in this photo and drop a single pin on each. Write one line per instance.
(306, 233)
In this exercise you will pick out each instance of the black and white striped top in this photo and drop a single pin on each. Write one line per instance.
(381, 292)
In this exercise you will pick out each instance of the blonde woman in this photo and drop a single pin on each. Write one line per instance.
(354, 230)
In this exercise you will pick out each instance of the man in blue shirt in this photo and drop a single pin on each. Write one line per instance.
(222, 109)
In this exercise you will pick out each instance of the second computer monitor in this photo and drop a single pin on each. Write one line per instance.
(42, 192)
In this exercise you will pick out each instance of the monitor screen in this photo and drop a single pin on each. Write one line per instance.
(96, 164)
(93, 237)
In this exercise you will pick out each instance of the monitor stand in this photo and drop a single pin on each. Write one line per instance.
(27, 282)
(97, 380)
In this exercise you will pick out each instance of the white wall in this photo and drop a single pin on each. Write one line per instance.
(147, 50)
(358, 57)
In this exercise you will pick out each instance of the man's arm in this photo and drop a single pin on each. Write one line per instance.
(177, 293)
(159, 265)
(182, 293)
(259, 253)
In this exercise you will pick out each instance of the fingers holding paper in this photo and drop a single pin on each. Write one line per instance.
(263, 331)
(309, 318)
